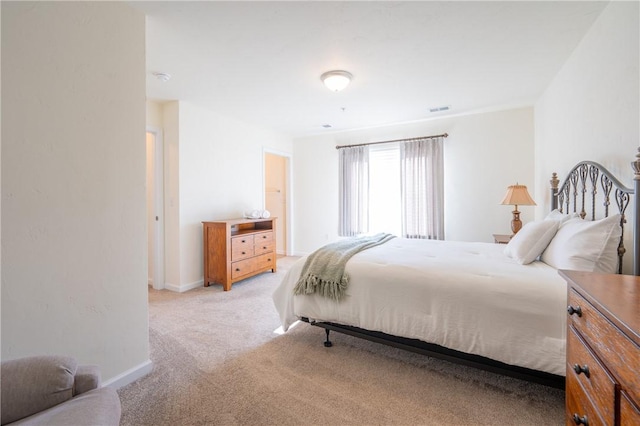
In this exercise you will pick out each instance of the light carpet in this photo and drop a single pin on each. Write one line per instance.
(217, 361)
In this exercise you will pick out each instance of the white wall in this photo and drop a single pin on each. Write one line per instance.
(74, 251)
(484, 153)
(213, 170)
(170, 121)
(1, 133)
(154, 114)
(591, 110)
(150, 188)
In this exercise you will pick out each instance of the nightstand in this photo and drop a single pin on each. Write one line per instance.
(501, 238)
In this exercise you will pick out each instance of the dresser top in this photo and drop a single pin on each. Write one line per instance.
(241, 220)
(616, 296)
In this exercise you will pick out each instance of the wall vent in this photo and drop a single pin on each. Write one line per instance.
(440, 108)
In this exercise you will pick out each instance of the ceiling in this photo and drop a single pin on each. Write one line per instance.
(261, 61)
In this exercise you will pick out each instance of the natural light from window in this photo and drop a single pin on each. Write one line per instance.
(384, 190)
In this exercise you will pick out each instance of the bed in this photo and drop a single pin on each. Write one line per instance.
(495, 307)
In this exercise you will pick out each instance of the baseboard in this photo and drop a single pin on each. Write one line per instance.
(183, 288)
(130, 375)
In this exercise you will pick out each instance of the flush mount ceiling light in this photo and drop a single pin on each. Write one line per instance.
(336, 80)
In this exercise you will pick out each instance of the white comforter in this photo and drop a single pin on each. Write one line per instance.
(465, 296)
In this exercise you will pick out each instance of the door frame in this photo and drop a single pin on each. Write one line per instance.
(158, 208)
(289, 196)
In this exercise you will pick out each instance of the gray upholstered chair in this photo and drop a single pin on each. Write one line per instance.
(55, 390)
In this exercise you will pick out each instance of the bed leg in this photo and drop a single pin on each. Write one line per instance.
(327, 343)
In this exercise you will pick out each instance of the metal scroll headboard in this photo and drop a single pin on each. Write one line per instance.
(579, 193)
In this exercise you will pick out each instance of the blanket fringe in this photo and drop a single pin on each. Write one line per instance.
(331, 289)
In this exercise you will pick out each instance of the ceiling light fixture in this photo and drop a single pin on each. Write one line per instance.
(336, 80)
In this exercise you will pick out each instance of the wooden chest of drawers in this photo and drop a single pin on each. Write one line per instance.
(603, 349)
(237, 249)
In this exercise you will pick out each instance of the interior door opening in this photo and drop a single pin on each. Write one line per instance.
(277, 193)
(155, 213)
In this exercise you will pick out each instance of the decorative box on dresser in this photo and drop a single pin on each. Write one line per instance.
(236, 249)
(603, 349)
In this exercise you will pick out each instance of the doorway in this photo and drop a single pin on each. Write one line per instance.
(277, 194)
(155, 210)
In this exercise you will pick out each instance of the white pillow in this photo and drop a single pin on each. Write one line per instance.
(529, 243)
(562, 217)
(585, 245)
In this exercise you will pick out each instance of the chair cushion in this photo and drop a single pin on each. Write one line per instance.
(99, 407)
(33, 384)
(87, 378)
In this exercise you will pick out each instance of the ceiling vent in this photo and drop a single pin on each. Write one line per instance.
(440, 108)
(162, 76)
(327, 126)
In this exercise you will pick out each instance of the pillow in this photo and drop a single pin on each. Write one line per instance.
(585, 245)
(558, 215)
(36, 383)
(529, 243)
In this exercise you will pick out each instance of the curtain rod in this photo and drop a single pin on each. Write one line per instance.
(444, 135)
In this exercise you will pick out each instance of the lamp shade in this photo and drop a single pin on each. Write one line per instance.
(336, 80)
(517, 195)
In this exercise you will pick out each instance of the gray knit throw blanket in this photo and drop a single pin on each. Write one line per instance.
(323, 271)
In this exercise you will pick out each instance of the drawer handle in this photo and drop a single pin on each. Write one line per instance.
(582, 369)
(264, 236)
(244, 252)
(264, 248)
(577, 310)
(580, 420)
(243, 241)
(237, 269)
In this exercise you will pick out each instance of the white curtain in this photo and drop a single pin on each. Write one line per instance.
(354, 190)
(422, 174)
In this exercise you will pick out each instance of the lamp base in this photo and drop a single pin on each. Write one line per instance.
(516, 224)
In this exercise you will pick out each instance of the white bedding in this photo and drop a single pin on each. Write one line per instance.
(465, 296)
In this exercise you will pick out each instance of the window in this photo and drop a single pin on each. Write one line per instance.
(385, 212)
(395, 188)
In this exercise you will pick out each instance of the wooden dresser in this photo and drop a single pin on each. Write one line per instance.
(237, 249)
(603, 349)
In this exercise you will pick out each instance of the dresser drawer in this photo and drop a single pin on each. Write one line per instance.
(579, 407)
(266, 261)
(264, 247)
(629, 412)
(242, 247)
(264, 237)
(596, 381)
(608, 342)
(242, 268)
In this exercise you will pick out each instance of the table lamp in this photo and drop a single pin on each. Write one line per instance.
(517, 195)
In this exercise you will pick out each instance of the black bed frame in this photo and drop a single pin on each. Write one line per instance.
(580, 188)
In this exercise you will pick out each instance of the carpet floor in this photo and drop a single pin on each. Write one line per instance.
(218, 361)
